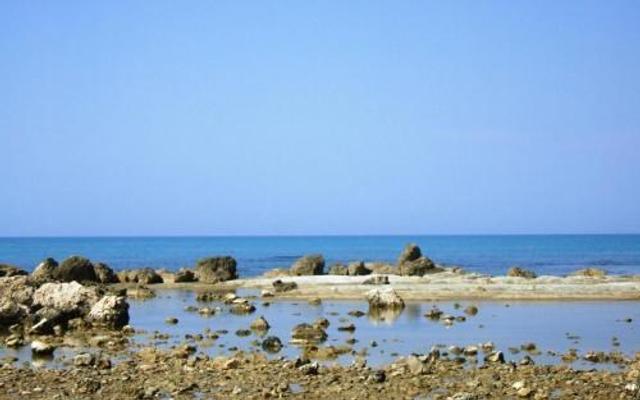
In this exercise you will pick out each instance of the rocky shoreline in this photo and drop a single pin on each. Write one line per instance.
(84, 305)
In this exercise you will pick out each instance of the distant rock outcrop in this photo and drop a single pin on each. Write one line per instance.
(312, 264)
(216, 269)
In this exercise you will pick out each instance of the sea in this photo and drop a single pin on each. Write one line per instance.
(489, 254)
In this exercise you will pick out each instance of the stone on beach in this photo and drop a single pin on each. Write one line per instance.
(45, 271)
(312, 264)
(110, 311)
(42, 348)
(384, 298)
(7, 270)
(216, 269)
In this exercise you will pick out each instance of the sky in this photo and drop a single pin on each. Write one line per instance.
(319, 117)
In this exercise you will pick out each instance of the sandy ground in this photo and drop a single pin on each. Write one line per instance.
(446, 285)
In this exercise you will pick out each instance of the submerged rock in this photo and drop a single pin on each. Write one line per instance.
(260, 324)
(384, 298)
(517, 272)
(272, 344)
(305, 334)
(312, 264)
(216, 269)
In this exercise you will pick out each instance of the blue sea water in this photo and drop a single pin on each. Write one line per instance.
(493, 254)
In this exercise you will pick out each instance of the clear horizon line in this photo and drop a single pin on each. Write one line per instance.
(312, 235)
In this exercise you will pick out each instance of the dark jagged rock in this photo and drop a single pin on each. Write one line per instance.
(104, 273)
(185, 275)
(7, 270)
(75, 268)
(358, 268)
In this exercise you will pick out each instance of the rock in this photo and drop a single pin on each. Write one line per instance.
(471, 310)
(242, 306)
(45, 271)
(347, 328)
(272, 344)
(338, 269)
(8, 270)
(14, 341)
(316, 301)
(69, 298)
(145, 276)
(357, 268)
(305, 333)
(321, 322)
(84, 360)
(377, 280)
(140, 292)
(377, 376)
(266, 293)
(260, 324)
(171, 320)
(42, 348)
(281, 287)
(75, 268)
(411, 252)
(526, 360)
(517, 272)
(184, 275)
(16, 295)
(310, 369)
(110, 311)
(384, 298)
(216, 269)
(356, 313)
(495, 357)
(381, 268)
(591, 272)
(308, 265)
(104, 273)
(418, 267)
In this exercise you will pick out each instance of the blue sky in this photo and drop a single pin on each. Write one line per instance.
(328, 117)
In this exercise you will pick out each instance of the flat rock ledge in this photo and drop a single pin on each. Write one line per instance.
(449, 284)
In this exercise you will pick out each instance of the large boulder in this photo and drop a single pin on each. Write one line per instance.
(15, 299)
(145, 276)
(312, 264)
(216, 269)
(69, 298)
(384, 298)
(7, 270)
(412, 263)
(110, 311)
(75, 268)
(45, 271)
(104, 274)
